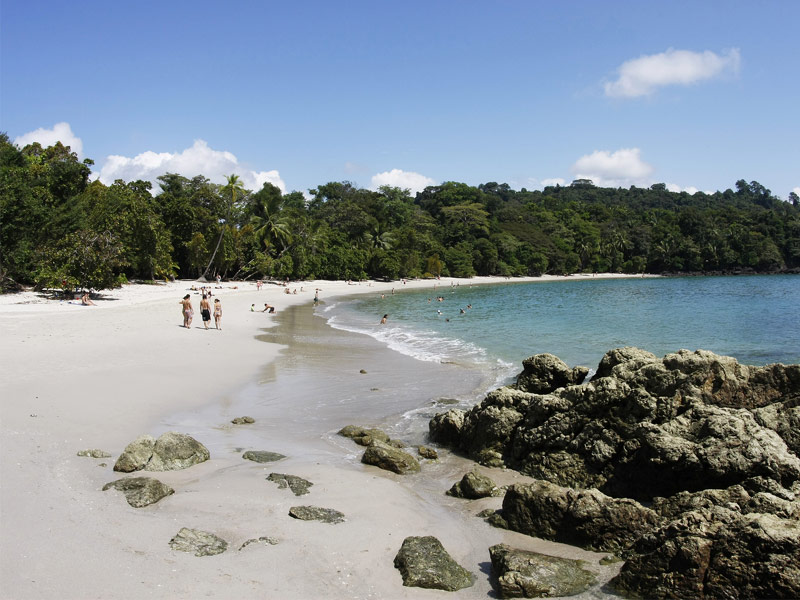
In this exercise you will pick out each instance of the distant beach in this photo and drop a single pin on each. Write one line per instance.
(82, 377)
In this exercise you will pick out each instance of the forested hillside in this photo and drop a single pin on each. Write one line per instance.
(58, 229)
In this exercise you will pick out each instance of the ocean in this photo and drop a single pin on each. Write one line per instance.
(752, 318)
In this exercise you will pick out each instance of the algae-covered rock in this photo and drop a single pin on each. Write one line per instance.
(140, 491)
(390, 458)
(263, 540)
(585, 518)
(298, 485)
(428, 452)
(523, 574)
(364, 436)
(423, 562)
(474, 485)
(200, 543)
(136, 454)
(544, 373)
(315, 513)
(243, 420)
(94, 453)
(262, 456)
(174, 451)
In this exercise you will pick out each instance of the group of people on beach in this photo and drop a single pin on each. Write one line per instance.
(205, 311)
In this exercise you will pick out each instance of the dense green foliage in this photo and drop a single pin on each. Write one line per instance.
(58, 229)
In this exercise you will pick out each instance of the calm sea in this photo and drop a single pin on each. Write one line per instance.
(752, 318)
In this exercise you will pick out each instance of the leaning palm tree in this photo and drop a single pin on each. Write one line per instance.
(233, 186)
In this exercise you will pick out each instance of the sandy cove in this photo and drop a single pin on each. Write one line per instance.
(78, 377)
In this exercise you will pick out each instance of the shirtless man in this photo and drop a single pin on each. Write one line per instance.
(205, 310)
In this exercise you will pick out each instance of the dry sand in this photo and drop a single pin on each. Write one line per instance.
(77, 377)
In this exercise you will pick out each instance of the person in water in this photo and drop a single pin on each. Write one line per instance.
(383, 320)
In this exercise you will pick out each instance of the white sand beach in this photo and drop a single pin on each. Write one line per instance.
(78, 377)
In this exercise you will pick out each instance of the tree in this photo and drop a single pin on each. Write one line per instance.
(232, 187)
(268, 226)
(85, 259)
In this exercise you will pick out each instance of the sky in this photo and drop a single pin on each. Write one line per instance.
(697, 95)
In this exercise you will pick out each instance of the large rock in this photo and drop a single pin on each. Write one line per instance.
(585, 518)
(474, 485)
(170, 452)
(423, 562)
(174, 451)
(390, 458)
(199, 543)
(544, 373)
(140, 491)
(136, 454)
(523, 574)
(719, 553)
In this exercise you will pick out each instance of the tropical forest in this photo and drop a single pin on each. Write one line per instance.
(59, 229)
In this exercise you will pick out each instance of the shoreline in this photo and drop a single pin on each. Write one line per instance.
(97, 377)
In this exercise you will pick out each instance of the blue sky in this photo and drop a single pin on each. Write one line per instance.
(693, 94)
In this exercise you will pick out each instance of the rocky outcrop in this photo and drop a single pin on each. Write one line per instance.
(643, 427)
(423, 562)
(199, 543)
(710, 445)
(474, 485)
(544, 373)
(716, 553)
(140, 491)
(243, 421)
(523, 574)
(390, 458)
(585, 518)
(315, 513)
(298, 485)
(170, 452)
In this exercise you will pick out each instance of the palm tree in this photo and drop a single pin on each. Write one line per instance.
(233, 186)
(270, 228)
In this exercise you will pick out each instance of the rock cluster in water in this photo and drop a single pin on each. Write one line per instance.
(709, 445)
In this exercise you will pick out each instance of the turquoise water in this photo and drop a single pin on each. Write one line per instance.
(753, 319)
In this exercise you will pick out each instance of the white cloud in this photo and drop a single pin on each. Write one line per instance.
(674, 187)
(553, 181)
(622, 168)
(642, 76)
(402, 179)
(61, 132)
(200, 159)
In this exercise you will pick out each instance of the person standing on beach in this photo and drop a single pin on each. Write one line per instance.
(218, 313)
(316, 296)
(188, 311)
(205, 310)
